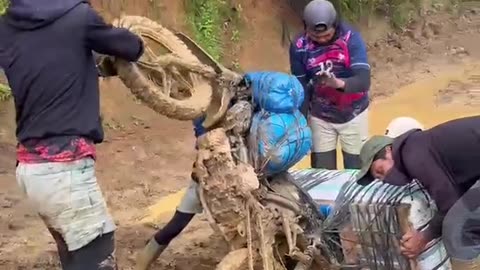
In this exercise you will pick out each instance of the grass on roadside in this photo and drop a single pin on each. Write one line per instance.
(208, 20)
(399, 12)
(5, 92)
(3, 6)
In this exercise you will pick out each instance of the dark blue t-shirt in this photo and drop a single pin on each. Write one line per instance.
(307, 56)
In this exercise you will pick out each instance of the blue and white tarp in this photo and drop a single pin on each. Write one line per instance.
(279, 135)
(275, 92)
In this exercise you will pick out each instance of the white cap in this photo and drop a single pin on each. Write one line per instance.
(400, 125)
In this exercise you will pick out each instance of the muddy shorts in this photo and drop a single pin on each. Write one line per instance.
(461, 228)
(190, 203)
(67, 197)
(352, 134)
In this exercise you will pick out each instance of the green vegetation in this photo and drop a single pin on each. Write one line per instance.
(399, 12)
(5, 92)
(3, 6)
(210, 21)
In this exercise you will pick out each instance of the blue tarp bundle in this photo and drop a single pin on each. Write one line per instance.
(275, 92)
(279, 135)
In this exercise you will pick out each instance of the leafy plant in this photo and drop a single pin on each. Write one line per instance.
(5, 92)
(3, 6)
(235, 35)
(209, 20)
(206, 23)
(403, 14)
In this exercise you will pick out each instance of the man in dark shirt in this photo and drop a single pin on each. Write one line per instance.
(46, 52)
(445, 160)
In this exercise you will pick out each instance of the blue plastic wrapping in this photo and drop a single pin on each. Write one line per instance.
(275, 91)
(278, 140)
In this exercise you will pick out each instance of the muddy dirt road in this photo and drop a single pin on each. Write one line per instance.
(147, 157)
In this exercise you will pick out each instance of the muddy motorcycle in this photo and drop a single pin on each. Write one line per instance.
(268, 222)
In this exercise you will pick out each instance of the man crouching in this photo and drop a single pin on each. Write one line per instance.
(444, 159)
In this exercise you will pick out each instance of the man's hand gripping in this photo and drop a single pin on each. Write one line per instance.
(326, 77)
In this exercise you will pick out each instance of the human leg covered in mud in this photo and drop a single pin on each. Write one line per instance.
(186, 210)
(188, 207)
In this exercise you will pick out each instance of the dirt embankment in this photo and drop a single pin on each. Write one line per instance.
(146, 156)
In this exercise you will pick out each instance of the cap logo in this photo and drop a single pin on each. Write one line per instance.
(320, 27)
(299, 43)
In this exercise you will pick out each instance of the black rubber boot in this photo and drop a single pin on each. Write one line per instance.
(351, 161)
(324, 160)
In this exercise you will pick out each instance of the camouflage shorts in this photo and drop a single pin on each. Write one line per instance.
(67, 197)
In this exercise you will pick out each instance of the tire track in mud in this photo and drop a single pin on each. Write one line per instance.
(465, 92)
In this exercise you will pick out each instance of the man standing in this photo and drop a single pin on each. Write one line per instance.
(46, 52)
(444, 159)
(330, 60)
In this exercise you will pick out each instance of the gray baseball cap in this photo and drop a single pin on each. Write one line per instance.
(319, 15)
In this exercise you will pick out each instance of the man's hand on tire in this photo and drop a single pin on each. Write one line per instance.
(105, 66)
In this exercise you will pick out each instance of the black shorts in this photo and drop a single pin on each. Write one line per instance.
(97, 255)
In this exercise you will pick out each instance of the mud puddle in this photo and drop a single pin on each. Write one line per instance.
(452, 94)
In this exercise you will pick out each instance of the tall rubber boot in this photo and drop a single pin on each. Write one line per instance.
(465, 265)
(162, 238)
(351, 161)
(149, 254)
(324, 160)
